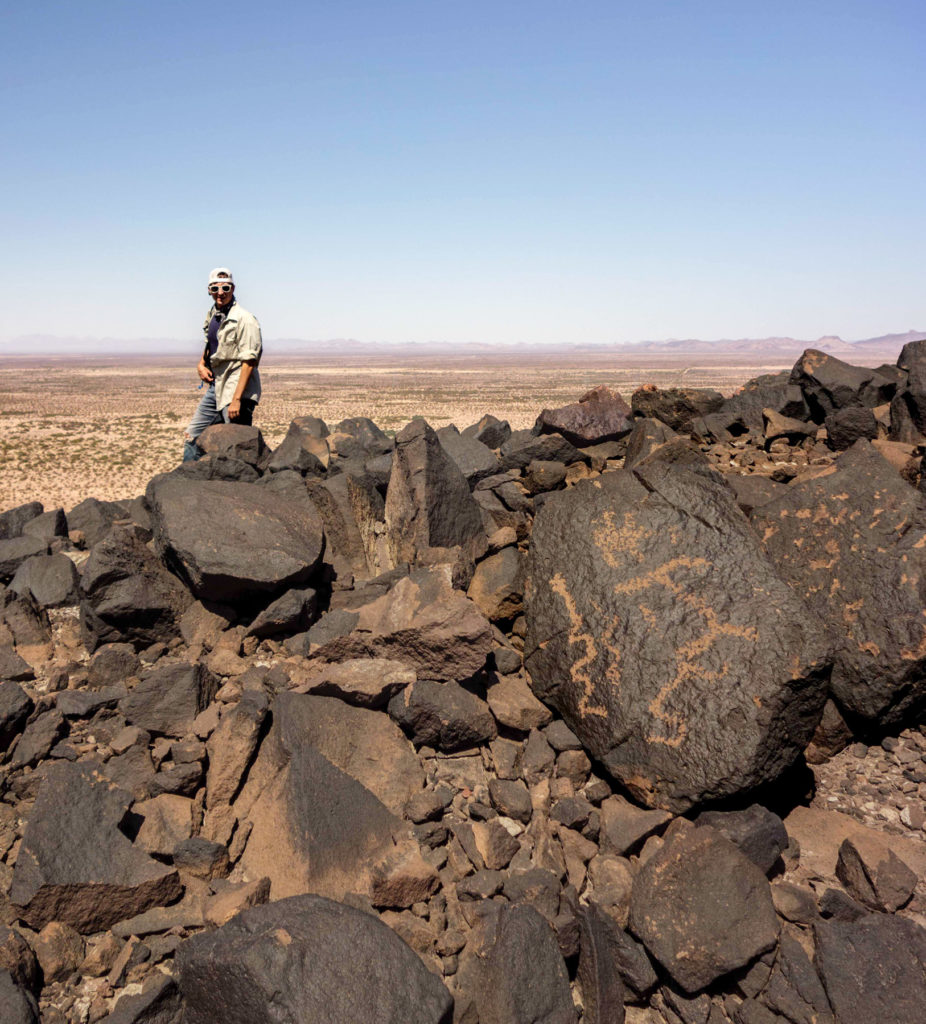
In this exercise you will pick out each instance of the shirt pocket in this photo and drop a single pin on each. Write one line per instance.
(228, 343)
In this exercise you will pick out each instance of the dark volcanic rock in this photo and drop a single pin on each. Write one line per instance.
(676, 407)
(846, 426)
(602, 988)
(702, 908)
(872, 969)
(497, 586)
(294, 612)
(17, 1006)
(231, 541)
(15, 708)
(96, 877)
(490, 431)
(908, 407)
(158, 1003)
(358, 437)
(665, 637)
(474, 459)
(524, 447)
(305, 960)
(315, 828)
(830, 384)
(304, 449)
(753, 491)
(95, 518)
(13, 553)
(647, 435)
(167, 700)
(429, 508)
(600, 415)
(352, 511)
(442, 715)
(794, 989)
(756, 832)
(852, 542)
(233, 441)
(128, 595)
(50, 580)
(13, 520)
(874, 874)
(421, 621)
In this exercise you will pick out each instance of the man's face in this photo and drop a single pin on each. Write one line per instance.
(222, 293)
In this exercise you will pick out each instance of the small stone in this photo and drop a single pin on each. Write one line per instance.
(60, 950)
(201, 858)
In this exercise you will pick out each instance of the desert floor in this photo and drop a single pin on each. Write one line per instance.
(75, 428)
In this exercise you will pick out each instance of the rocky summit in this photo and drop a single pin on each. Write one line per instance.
(617, 719)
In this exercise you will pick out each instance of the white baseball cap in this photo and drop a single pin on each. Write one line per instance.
(221, 274)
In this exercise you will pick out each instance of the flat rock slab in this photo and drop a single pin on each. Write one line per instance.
(421, 621)
(872, 969)
(852, 543)
(95, 877)
(305, 960)
(363, 682)
(313, 828)
(665, 637)
(598, 416)
(233, 541)
(702, 908)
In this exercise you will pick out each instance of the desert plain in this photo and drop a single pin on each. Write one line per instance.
(73, 427)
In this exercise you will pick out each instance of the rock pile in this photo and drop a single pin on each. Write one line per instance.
(614, 719)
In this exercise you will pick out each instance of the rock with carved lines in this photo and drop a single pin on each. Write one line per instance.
(664, 635)
(852, 542)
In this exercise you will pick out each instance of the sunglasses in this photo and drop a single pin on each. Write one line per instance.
(214, 289)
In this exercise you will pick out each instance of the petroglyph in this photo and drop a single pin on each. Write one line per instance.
(579, 634)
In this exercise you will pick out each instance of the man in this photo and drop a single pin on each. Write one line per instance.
(228, 367)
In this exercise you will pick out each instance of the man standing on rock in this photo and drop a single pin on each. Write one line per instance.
(228, 367)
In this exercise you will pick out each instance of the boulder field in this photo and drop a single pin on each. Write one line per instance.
(616, 719)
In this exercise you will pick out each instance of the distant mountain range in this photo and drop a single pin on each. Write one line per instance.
(883, 349)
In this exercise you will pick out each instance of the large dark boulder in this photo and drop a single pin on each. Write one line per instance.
(14, 552)
(233, 441)
(353, 511)
(169, 697)
(233, 542)
(647, 435)
(430, 514)
(702, 908)
(829, 384)
(358, 437)
(442, 715)
(304, 449)
(852, 543)
(490, 430)
(742, 412)
(303, 960)
(872, 969)
(94, 518)
(49, 580)
(128, 595)
(76, 866)
(663, 634)
(524, 447)
(599, 415)
(676, 407)
(846, 426)
(908, 408)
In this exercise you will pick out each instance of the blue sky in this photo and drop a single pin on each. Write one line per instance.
(493, 172)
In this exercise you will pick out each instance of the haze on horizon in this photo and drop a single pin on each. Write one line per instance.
(494, 173)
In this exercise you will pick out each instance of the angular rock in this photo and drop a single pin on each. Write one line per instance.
(623, 825)
(158, 1003)
(522, 977)
(363, 682)
(513, 704)
(314, 828)
(794, 990)
(702, 908)
(232, 747)
(167, 700)
(829, 384)
(511, 798)
(294, 612)
(95, 878)
(233, 441)
(846, 426)
(50, 580)
(778, 427)
(474, 460)
(201, 858)
(39, 736)
(19, 961)
(541, 476)
(128, 595)
(602, 988)
(756, 831)
(13, 520)
(303, 449)
(490, 431)
(874, 875)
(429, 508)
(60, 951)
(421, 621)
(13, 553)
(94, 519)
(676, 407)
(752, 491)
(352, 511)
(359, 437)
(13, 669)
(303, 960)
(112, 664)
(233, 542)
(661, 632)
(524, 447)
(599, 415)
(48, 525)
(168, 820)
(442, 715)
(852, 543)
(497, 586)
(647, 435)
(15, 707)
(872, 969)
(17, 1006)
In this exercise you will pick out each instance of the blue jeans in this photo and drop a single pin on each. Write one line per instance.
(206, 415)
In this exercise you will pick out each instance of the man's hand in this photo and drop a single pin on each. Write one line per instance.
(204, 372)
(234, 408)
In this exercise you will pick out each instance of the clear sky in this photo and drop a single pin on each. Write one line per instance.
(485, 171)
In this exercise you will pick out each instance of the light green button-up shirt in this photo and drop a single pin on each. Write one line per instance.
(239, 340)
